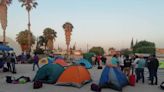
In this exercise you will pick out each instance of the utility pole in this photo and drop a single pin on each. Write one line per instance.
(87, 47)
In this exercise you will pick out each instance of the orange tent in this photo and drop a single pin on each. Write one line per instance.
(74, 76)
(60, 62)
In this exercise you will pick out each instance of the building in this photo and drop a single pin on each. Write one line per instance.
(160, 52)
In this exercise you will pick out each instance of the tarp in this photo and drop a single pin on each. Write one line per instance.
(84, 62)
(113, 77)
(75, 76)
(5, 48)
(49, 73)
(60, 62)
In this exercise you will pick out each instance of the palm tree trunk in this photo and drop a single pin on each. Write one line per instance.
(29, 25)
(29, 41)
(68, 49)
(4, 36)
(3, 19)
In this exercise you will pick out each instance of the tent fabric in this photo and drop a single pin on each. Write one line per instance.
(43, 61)
(75, 76)
(161, 64)
(50, 59)
(84, 62)
(113, 77)
(2, 64)
(60, 62)
(49, 73)
(5, 48)
(88, 56)
(59, 57)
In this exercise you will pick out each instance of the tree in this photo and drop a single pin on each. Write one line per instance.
(126, 52)
(144, 47)
(68, 29)
(22, 39)
(42, 42)
(29, 5)
(97, 50)
(3, 16)
(111, 48)
(49, 35)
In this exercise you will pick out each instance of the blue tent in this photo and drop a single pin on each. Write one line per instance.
(59, 57)
(50, 60)
(1, 64)
(113, 77)
(85, 63)
(5, 48)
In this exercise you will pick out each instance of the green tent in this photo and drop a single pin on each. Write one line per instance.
(49, 73)
(161, 64)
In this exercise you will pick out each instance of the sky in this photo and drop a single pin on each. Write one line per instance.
(105, 23)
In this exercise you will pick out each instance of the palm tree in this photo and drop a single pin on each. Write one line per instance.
(68, 29)
(22, 39)
(29, 4)
(49, 35)
(42, 42)
(3, 16)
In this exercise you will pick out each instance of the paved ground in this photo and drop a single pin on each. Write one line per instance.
(26, 70)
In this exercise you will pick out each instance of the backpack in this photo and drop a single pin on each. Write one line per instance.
(95, 87)
(5, 69)
(9, 79)
(37, 84)
(162, 85)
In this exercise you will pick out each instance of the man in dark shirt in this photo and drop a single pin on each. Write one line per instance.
(153, 64)
(127, 65)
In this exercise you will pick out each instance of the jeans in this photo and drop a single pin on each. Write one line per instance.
(140, 74)
(34, 66)
(153, 74)
(9, 66)
(13, 67)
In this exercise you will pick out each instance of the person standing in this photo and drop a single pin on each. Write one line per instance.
(8, 60)
(115, 61)
(93, 60)
(36, 61)
(153, 64)
(13, 61)
(103, 59)
(23, 58)
(127, 65)
(140, 69)
(121, 62)
(98, 60)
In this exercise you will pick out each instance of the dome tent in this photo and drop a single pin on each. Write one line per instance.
(113, 77)
(75, 76)
(43, 61)
(49, 73)
(88, 56)
(60, 62)
(84, 62)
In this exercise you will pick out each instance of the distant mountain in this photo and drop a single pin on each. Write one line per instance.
(12, 43)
